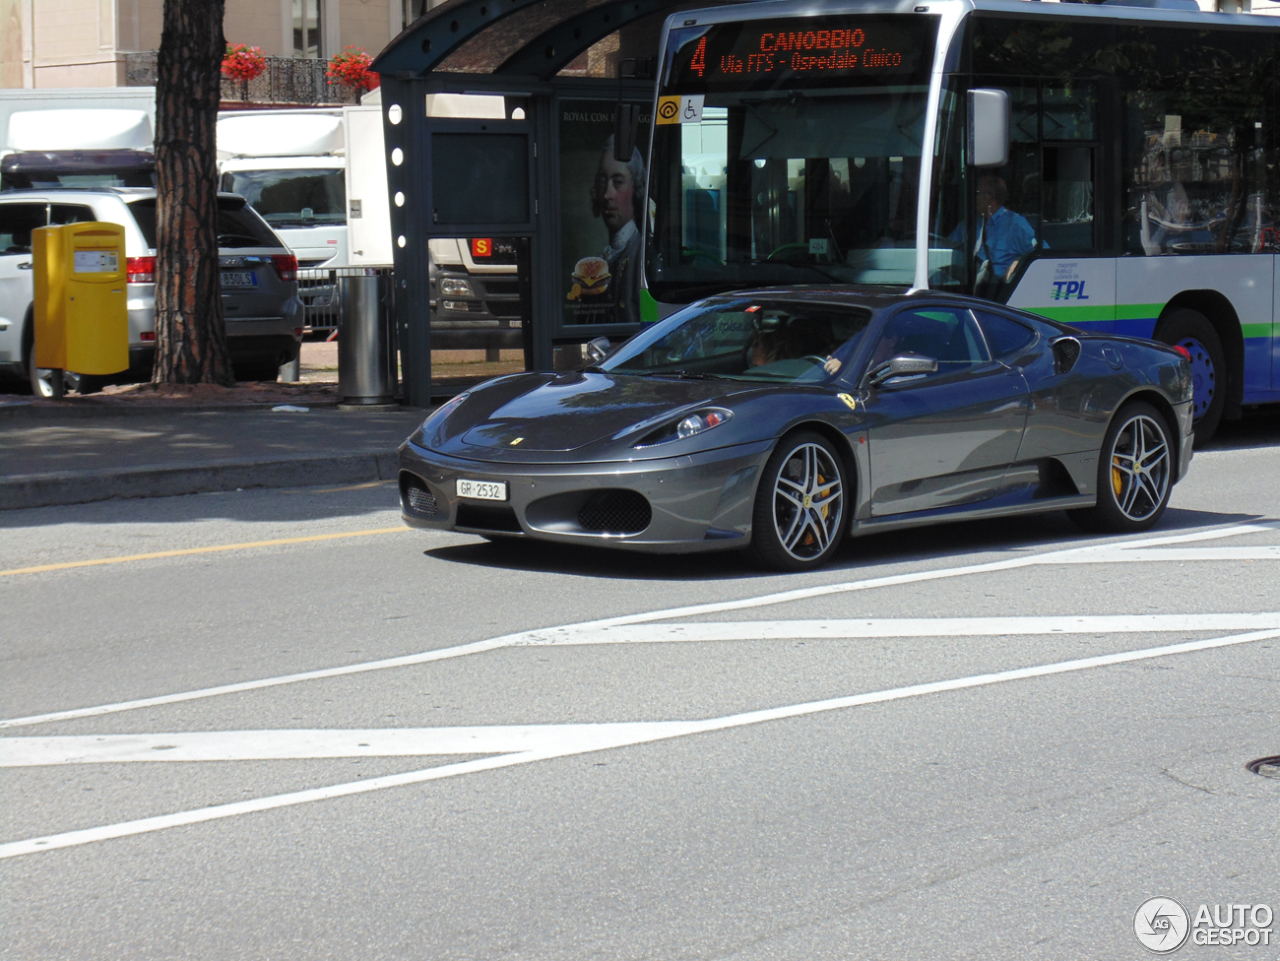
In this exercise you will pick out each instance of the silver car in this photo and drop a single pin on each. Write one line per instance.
(259, 280)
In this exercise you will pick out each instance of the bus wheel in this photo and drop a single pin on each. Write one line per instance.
(1191, 330)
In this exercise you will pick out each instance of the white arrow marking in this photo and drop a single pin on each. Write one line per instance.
(624, 734)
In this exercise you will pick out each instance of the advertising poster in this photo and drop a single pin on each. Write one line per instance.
(601, 214)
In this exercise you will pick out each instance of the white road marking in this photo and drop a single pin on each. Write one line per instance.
(1105, 552)
(622, 735)
(905, 627)
(1263, 552)
(292, 744)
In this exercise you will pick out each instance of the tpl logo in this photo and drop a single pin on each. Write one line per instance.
(1069, 290)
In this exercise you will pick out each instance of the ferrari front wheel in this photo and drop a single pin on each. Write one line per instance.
(799, 515)
(1135, 472)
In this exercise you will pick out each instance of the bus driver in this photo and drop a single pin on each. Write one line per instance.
(1003, 235)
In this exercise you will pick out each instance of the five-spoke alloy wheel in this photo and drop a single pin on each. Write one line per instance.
(799, 516)
(1135, 472)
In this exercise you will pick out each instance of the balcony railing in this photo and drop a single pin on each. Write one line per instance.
(285, 81)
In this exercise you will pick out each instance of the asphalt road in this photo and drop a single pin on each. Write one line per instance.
(304, 732)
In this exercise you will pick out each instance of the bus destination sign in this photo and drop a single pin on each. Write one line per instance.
(846, 49)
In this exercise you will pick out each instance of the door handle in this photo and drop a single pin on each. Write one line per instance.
(25, 265)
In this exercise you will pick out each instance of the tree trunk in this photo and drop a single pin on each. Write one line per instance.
(191, 338)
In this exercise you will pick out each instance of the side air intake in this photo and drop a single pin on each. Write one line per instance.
(416, 498)
(615, 512)
(1066, 351)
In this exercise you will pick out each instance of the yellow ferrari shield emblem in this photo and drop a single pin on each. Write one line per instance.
(848, 401)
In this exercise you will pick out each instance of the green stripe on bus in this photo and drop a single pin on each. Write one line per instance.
(1075, 315)
(1256, 330)
(1138, 311)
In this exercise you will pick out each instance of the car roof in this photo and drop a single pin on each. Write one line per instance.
(37, 193)
(875, 298)
(879, 299)
(120, 193)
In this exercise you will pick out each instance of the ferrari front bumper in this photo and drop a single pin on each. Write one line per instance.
(687, 503)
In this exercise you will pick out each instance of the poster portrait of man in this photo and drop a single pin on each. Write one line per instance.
(603, 203)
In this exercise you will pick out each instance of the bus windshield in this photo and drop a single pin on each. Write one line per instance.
(788, 152)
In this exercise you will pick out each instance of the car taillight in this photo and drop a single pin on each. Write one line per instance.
(140, 270)
(286, 266)
(1183, 351)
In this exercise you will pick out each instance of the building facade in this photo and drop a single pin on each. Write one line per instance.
(87, 43)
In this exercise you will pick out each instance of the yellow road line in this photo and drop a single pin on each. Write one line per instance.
(339, 490)
(200, 550)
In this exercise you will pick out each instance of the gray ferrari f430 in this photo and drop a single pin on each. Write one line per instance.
(781, 420)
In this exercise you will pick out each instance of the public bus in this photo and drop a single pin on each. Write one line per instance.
(1113, 166)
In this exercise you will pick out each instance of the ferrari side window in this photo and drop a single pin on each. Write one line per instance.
(948, 336)
(1004, 335)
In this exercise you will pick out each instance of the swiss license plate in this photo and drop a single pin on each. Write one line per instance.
(482, 490)
(239, 278)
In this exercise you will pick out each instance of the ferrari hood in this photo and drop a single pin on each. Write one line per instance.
(542, 412)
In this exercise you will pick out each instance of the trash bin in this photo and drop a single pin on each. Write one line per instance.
(366, 351)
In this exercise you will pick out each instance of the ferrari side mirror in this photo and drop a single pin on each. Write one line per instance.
(598, 349)
(904, 365)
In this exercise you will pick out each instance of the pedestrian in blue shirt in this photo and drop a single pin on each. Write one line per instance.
(1003, 235)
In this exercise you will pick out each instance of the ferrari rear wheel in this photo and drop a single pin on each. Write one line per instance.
(799, 516)
(1135, 472)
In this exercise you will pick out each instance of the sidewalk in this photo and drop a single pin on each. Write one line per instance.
(148, 441)
(87, 452)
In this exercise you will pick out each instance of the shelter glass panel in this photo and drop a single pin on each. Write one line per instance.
(480, 178)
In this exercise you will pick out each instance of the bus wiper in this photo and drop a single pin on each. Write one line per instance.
(814, 267)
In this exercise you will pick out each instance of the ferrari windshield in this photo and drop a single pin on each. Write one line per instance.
(788, 152)
(795, 342)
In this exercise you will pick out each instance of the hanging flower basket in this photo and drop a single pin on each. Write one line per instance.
(351, 69)
(243, 62)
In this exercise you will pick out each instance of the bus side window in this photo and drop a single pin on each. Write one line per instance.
(1200, 141)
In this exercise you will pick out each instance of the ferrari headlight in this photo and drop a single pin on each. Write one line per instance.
(702, 421)
(687, 426)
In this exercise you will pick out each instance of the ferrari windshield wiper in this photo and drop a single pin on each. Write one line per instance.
(684, 374)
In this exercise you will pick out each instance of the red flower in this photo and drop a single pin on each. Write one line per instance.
(243, 62)
(351, 69)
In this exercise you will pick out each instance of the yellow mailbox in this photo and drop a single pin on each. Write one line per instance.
(81, 309)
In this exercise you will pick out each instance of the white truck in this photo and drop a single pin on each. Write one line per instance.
(319, 178)
(66, 146)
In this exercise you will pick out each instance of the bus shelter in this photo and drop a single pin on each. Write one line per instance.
(558, 181)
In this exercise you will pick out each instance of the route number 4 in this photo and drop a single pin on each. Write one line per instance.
(699, 62)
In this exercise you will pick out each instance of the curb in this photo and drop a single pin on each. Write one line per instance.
(29, 411)
(81, 487)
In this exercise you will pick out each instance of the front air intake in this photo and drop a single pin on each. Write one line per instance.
(615, 512)
(1066, 351)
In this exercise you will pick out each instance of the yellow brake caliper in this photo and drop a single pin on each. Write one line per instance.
(1117, 479)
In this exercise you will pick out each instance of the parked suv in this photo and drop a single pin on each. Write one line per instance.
(259, 280)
